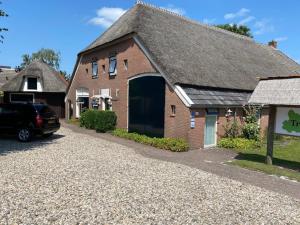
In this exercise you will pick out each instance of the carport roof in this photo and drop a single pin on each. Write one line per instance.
(277, 91)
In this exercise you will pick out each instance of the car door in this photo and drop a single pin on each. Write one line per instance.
(9, 117)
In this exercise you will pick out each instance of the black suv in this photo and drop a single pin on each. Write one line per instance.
(27, 120)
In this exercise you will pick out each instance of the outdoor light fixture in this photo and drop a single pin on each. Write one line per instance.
(228, 113)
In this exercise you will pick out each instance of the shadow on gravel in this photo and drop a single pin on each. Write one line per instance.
(277, 162)
(9, 144)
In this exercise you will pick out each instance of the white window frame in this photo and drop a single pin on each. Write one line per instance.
(38, 85)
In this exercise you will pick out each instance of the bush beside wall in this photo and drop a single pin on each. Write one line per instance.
(101, 121)
(172, 144)
(239, 143)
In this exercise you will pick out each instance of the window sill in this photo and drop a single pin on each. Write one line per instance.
(95, 77)
(172, 115)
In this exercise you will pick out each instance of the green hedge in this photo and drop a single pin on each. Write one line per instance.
(101, 121)
(172, 144)
(239, 143)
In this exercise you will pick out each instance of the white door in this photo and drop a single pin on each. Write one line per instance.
(82, 96)
(210, 135)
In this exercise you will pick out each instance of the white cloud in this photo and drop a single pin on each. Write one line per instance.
(174, 9)
(246, 20)
(241, 13)
(107, 16)
(280, 39)
(209, 21)
(263, 26)
(298, 61)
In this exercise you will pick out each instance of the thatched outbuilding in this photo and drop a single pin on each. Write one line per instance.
(38, 82)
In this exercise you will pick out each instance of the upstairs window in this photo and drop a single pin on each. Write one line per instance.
(94, 69)
(32, 83)
(112, 65)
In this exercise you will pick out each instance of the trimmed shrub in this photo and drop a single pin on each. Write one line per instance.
(88, 118)
(101, 121)
(239, 143)
(172, 144)
(105, 121)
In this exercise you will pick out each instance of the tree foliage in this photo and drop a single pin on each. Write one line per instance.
(48, 56)
(65, 74)
(239, 29)
(2, 29)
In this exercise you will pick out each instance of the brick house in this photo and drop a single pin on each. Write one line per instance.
(38, 82)
(165, 75)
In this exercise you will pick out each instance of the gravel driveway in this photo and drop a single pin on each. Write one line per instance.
(78, 179)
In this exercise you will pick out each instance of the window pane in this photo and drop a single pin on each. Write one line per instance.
(95, 68)
(31, 83)
(112, 65)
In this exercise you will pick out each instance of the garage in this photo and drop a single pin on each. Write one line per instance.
(146, 105)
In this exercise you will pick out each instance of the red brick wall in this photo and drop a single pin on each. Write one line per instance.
(196, 135)
(176, 125)
(137, 64)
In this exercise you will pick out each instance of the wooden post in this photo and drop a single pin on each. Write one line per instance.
(271, 128)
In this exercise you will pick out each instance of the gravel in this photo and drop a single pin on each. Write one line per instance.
(78, 179)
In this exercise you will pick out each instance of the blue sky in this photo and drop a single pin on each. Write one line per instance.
(69, 26)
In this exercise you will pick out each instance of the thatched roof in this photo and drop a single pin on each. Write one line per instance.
(51, 80)
(6, 75)
(280, 91)
(189, 52)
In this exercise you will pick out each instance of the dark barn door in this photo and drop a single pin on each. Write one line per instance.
(147, 106)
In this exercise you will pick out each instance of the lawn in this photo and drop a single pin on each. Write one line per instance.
(286, 160)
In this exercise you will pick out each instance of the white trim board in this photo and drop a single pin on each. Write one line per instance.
(183, 96)
(147, 54)
(178, 90)
(144, 75)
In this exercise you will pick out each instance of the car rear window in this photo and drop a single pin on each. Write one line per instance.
(44, 110)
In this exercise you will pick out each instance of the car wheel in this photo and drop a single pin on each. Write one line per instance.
(24, 134)
(47, 135)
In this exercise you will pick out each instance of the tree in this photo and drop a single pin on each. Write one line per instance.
(65, 75)
(46, 55)
(239, 29)
(2, 14)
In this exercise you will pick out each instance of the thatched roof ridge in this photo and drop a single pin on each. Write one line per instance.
(189, 52)
(51, 80)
